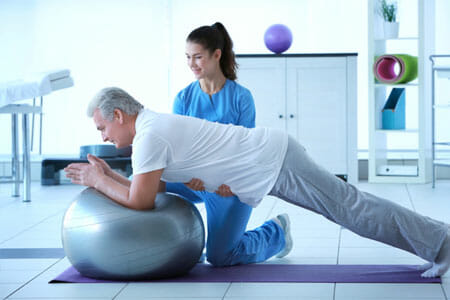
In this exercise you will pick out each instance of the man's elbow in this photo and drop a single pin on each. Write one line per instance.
(146, 204)
(142, 207)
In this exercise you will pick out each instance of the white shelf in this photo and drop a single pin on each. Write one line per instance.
(400, 155)
(396, 130)
(420, 44)
(442, 72)
(442, 68)
(401, 85)
(443, 106)
(397, 39)
(441, 162)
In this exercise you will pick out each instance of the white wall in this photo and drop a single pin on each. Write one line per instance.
(16, 20)
(139, 46)
(102, 42)
(442, 27)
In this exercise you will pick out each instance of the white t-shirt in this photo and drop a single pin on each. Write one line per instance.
(247, 160)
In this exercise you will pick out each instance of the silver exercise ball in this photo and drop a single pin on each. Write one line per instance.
(105, 240)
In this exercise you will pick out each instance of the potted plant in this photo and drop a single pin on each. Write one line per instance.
(389, 13)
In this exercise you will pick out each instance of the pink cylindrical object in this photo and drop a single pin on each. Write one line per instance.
(384, 68)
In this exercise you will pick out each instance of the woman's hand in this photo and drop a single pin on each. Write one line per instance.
(224, 191)
(86, 173)
(195, 184)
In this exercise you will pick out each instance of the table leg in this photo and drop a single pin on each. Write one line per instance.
(15, 164)
(26, 160)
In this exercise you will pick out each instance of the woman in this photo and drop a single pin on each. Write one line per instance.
(215, 96)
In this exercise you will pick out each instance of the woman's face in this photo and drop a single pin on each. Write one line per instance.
(201, 62)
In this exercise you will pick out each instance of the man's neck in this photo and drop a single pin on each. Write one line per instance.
(131, 122)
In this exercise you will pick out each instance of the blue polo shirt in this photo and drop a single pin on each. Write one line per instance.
(232, 104)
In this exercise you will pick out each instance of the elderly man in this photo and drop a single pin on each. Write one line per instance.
(249, 163)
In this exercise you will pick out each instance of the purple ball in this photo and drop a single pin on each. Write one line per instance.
(278, 38)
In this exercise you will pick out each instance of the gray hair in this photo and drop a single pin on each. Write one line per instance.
(111, 98)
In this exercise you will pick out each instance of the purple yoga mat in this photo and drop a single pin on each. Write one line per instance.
(283, 273)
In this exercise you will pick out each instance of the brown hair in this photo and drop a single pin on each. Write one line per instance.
(216, 37)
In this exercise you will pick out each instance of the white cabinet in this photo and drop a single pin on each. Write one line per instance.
(402, 155)
(266, 80)
(313, 98)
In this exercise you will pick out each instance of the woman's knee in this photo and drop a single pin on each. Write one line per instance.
(219, 258)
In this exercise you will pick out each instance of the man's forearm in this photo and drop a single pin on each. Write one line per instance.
(119, 178)
(126, 182)
(114, 189)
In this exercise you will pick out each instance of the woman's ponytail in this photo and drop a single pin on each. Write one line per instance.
(227, 61)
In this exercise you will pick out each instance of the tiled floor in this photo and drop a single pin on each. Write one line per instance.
(316, 240)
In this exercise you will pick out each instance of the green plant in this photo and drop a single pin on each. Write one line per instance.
(388, 11)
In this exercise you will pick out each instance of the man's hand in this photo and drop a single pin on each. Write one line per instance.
(224, 191)
(86, 173)
(106, 168)
(195, 184)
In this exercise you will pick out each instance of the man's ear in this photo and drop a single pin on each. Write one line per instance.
(118, 115)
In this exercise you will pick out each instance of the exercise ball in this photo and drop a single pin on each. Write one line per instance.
(105, 240)
(278, 38)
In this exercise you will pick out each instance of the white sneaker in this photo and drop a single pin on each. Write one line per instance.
(285, 223)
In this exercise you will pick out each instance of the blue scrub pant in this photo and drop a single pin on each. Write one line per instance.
(228, 243)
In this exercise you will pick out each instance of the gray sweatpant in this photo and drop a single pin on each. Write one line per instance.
(304, 183)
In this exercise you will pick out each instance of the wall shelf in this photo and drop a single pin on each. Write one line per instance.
(442, 162)
(397, 130)
(442, 106)
(417, 138)
(442, 68)
(386, 85)
(397, 39)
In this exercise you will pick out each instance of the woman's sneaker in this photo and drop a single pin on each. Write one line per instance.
(285, 224)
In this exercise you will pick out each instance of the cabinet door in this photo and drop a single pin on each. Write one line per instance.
(317, 108)
(265, 78)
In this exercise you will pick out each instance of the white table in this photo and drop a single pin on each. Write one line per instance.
(30, 87)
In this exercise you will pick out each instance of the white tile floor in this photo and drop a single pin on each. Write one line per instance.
(316, 240)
